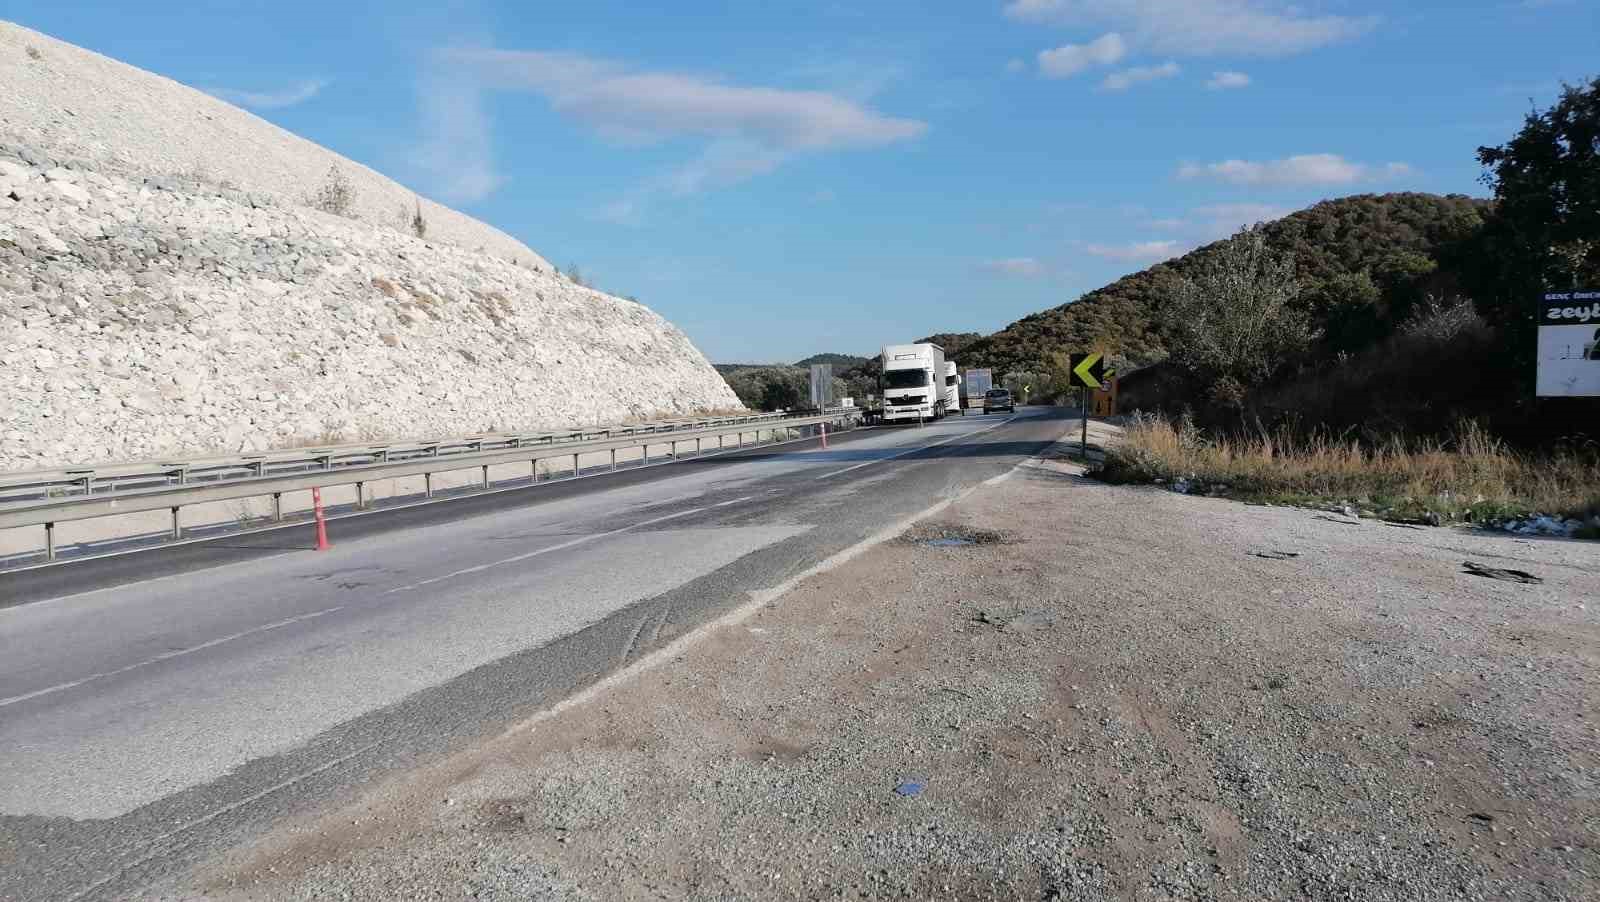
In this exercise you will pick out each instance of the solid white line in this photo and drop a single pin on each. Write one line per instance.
(165, 656)
(734, 501)
(914, 450)
(559, 547)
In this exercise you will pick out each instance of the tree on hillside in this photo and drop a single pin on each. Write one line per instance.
(952, 342)
(1544, 233)
(837, 360)
(1232, 318)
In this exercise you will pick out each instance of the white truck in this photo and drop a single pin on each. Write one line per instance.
(913, 382)
(952, 387)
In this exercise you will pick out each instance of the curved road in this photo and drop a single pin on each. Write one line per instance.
(160, 706)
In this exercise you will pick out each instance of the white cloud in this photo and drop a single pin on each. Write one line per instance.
(457, 154)
(1138, 252)
(1303, 169)
(1127, 78)
(650, 106)
(296, 93)
(1222, 81)
(1202, 27)
(749, 131)
(619, 212)
(1070, 59)
(1242, 214)
(1020, 267)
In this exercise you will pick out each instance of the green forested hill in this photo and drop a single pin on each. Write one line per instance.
(1363, 260)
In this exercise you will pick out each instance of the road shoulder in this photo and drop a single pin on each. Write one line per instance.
(1052, 687)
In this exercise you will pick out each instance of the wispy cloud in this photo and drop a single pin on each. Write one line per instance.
(650, 106)
(1018, 267)
(1139, 251)
(619, 212)
(1223, 81)
(1202, 27)
(1070, 59)
(457, 153)
(1127, 78)
(294, 94)
(749, 131)
(1303, 169)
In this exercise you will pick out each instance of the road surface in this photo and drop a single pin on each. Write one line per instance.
(160, 706)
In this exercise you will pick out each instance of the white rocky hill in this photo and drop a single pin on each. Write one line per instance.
(164, 288)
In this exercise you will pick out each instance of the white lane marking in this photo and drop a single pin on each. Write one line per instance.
(205, 818)
(165, 656)
(914, 450)
(558, 547)
(734, 501)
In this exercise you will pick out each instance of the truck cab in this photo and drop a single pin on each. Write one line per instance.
(952, 387)
(913, 382)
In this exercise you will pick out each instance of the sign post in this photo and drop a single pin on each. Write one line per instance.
(1086, 371)
(1569, 345)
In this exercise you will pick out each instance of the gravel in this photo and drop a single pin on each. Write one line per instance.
(1117, 701)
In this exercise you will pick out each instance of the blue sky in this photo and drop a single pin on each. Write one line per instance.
(785, 178)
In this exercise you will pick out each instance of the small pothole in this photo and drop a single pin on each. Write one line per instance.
(943, 535)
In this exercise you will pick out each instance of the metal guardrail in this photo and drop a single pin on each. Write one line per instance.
(47, 497)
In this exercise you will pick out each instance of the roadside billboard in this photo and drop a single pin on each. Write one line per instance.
(1569, 345)
(977, 384)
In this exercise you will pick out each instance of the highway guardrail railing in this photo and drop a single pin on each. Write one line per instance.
(49, 496)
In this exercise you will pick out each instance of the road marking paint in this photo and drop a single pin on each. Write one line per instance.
(914, 450)
(165, 656)
(734, 501)
(559, 547)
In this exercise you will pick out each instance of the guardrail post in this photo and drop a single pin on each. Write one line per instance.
(277, 507)
(613, 457)
(177, 526)
(49, 541)
(574, 466)
(697, 445)
(427, 485)
(674, 452)
(361, 496)
(485, 476)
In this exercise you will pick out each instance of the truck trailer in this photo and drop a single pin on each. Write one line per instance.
(913, 382)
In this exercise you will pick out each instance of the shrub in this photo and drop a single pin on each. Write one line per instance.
(33, 53)
(419, 226)
(336, 195)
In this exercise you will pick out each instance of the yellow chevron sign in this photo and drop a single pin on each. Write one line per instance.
(1088, 370)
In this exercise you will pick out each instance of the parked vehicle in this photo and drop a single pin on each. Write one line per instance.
(998, 399)
(913, 382)
(952, 388)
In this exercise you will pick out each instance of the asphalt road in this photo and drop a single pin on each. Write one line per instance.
(160, 706)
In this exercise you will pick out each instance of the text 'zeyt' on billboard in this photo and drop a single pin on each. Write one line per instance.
(1569, 345)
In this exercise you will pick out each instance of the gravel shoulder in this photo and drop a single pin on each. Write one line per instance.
(1112, 692)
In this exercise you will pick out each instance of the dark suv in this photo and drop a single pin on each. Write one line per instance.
(998, 399)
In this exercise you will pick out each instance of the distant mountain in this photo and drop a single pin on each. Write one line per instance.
(1363, 261)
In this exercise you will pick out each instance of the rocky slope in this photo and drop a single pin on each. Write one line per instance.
(148, 309)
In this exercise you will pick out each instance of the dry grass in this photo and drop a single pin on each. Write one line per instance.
(1470, 477)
